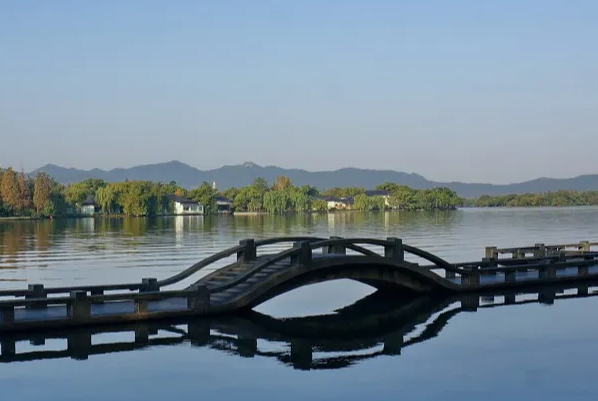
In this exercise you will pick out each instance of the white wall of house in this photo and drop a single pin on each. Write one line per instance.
(336, 205)
(188, 208)
(88, 210)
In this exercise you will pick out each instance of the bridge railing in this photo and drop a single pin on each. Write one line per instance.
(25, 313)
(246, 250)
(302, 253)
(541, 250)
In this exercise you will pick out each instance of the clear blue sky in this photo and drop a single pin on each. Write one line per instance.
(493, 91)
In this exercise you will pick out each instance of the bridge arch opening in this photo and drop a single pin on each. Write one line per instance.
(299, 290)
(315, 298)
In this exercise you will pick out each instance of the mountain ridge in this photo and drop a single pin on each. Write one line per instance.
(243, 174)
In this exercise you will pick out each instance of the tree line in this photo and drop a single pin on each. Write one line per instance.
(556, 198)
(42, 196)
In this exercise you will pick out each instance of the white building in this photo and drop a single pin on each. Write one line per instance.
(186, 206)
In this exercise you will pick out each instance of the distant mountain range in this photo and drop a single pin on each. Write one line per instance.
(244, 174)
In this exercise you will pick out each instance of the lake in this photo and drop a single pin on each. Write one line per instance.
(328, 341)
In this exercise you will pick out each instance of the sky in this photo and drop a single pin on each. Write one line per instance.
(467, 90)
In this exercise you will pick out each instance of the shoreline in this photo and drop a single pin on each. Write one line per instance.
(254, 214)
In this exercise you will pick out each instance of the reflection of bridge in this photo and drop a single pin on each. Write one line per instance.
(372, 323)
(254, 278)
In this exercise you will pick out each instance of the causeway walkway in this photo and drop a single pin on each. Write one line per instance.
(252, 278)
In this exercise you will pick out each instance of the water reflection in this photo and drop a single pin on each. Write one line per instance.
(378, 324)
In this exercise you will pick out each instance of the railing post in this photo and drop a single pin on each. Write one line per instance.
(249, 252)
(583, 270)
(539, 251)
(304, 256)
(149, 285)
(335, 249)
(198, 299)
(8, 314)
(394, 250)
(491, 252)
(141, 306)
(473, 279)
(79, 306)
(510, 276)
(36, 291)
(490, 263)
(547, 273)
(97, 292)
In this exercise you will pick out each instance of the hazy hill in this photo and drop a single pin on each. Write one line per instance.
(244, 174)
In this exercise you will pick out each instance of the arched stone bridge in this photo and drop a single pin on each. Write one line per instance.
(254, 278)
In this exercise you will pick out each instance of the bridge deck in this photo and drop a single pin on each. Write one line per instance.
(221, 290)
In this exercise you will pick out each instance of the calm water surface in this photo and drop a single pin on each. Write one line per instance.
(530, 351)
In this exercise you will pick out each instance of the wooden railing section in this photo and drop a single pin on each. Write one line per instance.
(541, 250)
(79, 308)
(246, 250)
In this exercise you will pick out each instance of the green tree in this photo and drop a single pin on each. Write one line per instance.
(319, 205)
(206, 195)
(260, 185)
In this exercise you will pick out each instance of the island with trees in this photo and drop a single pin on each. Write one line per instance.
(41, 196)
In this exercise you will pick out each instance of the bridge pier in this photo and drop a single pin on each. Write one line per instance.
(247, 347)
(546, 297)
(393, 344)
(8, 347)
(583, 290)
(199, 333)
(143, 332)
(510, 298)
(301, 354)
(79, 345)
(470, 303)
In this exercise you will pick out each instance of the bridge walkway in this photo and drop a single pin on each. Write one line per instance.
(247, 280)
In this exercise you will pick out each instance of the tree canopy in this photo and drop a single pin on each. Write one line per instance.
(41, 195)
